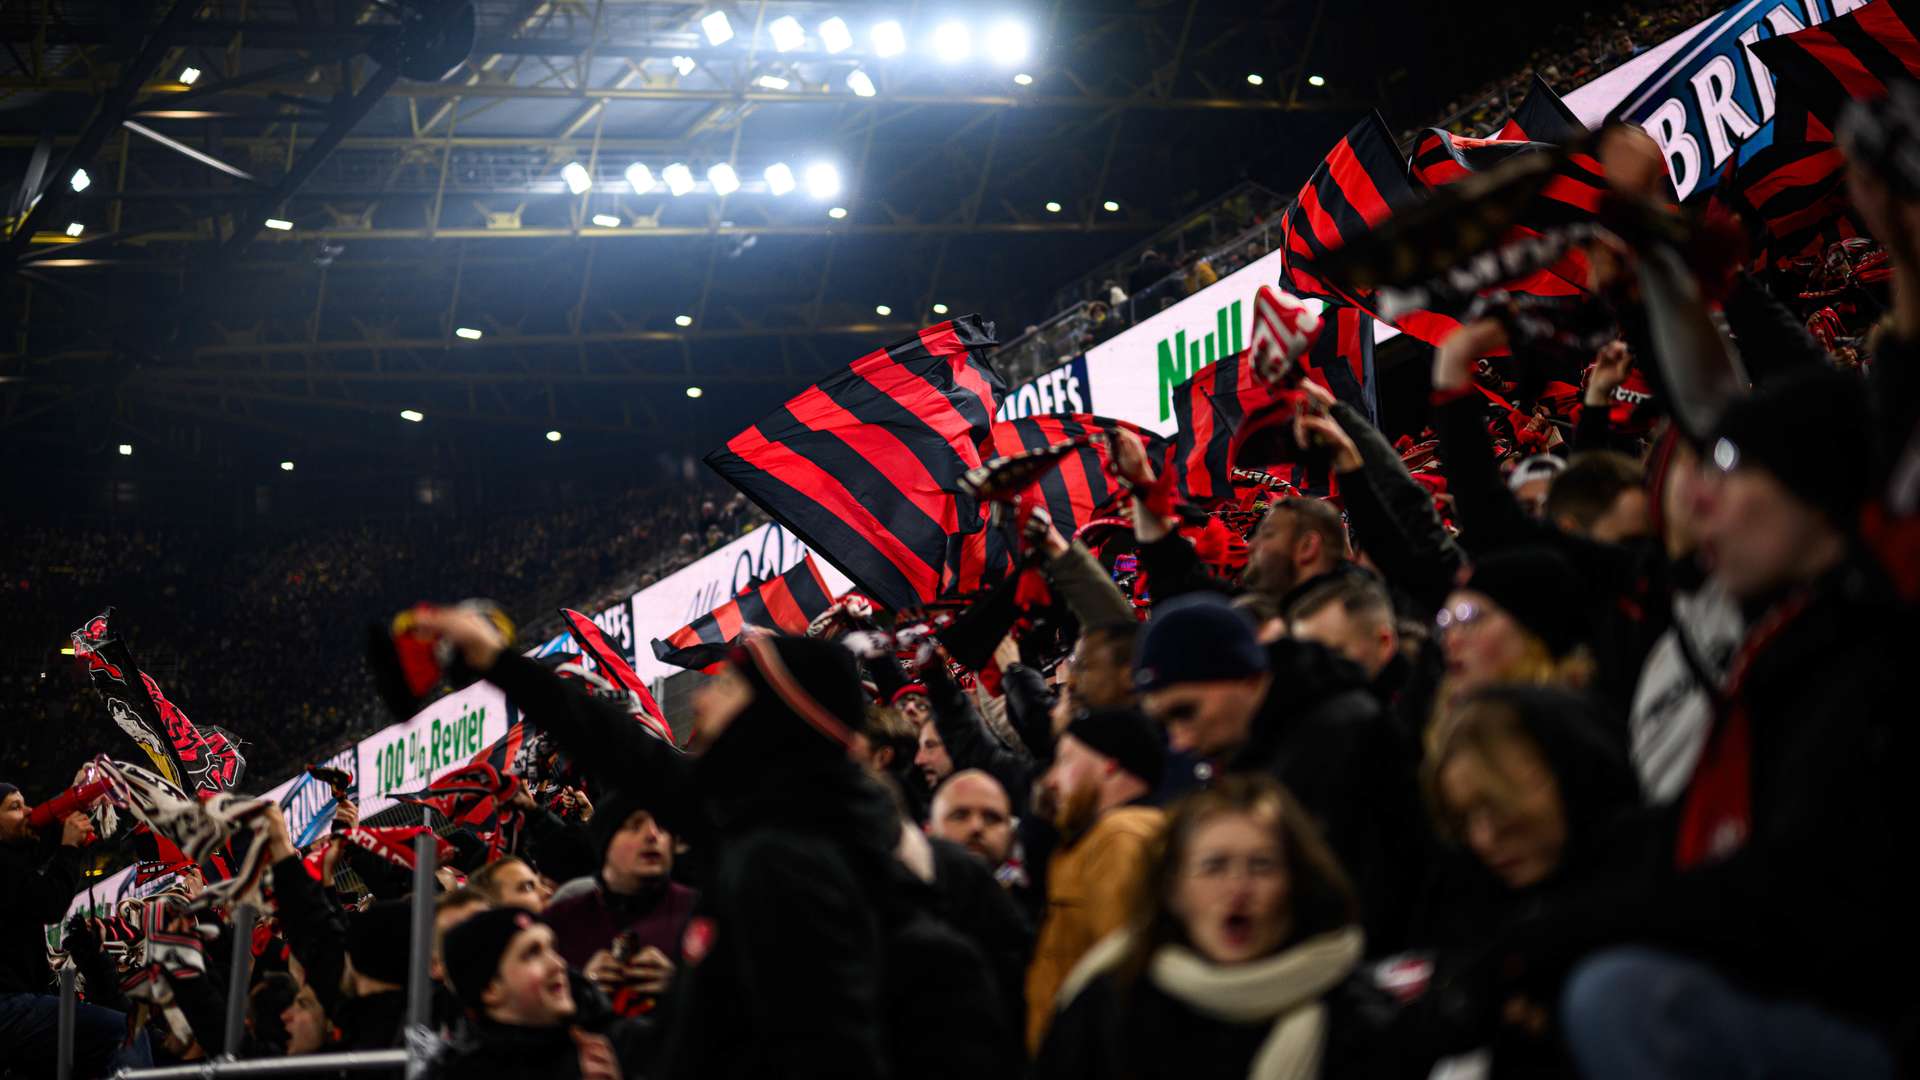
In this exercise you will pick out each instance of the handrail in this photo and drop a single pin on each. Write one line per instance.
(349, 1061)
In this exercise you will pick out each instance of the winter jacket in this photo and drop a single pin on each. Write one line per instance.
(37, 881)
(1030, 710)
(970, 744)
(1324, 735)
(1673, 704)
(1290, 1015)
(966, 897)
(1087, 588)
(1090, 885)
(588, 922)
(1392, 519)
(485, 1049)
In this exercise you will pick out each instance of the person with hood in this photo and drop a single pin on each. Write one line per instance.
(1239, 963)
(802, 956)
(625, 930)
(1304, 715)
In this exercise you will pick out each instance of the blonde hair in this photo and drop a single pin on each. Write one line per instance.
(1476, 729)
(1536, 666)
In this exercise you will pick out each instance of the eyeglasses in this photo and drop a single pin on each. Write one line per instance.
(1464, 613)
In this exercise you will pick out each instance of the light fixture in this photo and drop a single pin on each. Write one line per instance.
(835, 35)
(1023, 79)
(694, 391)
(861, 83)
(606, 221)
(286, 466)
(786, 33)
(189, 75)
(639, 178)
(724, 180)
(679, 178)
(717, 27)
(889, 39)
(1256, 79)
(882, 310)
(684, 65)
(1007, 43)
(823, 180)
(75, 228)
(1316, 80)
(779, 178)
(279, 224)
(414, 415)
(952, 42)
(772, 82)
(468, 333)
(1053, 207)
(577, 179)
(836, 213)
(126, 449)
(683, 320)
(939, 309)
(553, 436)
(80, 181)
(1110, 206)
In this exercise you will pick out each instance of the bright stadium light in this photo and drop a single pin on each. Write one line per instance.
(279, 224)
(1316, 80)
(786, 33)
(836, 213)
(861, 83)
(679, 178)
(939, 309)
(606, 221)
(684, 65)
(1256, 79)
(952, 42)
(75, 228)
(724, 180)
(823, 180)
(835, 35)
(467, 333)
(577, 179)
(779, 177)
(694, 391)
(553, 436)
(717, 27)
(80, 181)
(889, 39)
(189, 76)
(1053, 207)
(772, 82)
(1110, 206)
(1007, 43)
(683, 320)
(639, 178)
(286, 466)
(126, 449)
(1023, 79)
(412, 415)
(882, 310)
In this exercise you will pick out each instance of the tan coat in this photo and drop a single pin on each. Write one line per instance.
(1090, 889)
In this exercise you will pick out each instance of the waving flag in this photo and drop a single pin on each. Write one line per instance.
(1854, 56)
(1361, 183)
(184, 755)
(615, 669)
(1543, 117)
(1077, 490)
(788, 602)
(1793, 197)
(1341, 360)
(864, 466)
(1210, 407)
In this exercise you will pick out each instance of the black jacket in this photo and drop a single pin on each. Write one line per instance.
(317, 933)
(484, 1049)
(37, 881)
(1323, 734)
(1392, 519)
(965, 895)
(970, 744)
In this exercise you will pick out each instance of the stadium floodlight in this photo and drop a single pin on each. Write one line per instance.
(126, 449)
(717, 27)
(75, 228)
(772, 82)
(412, 415)
(1316, 80)
(837, 212)
(683, 320)
(952, 42)
(577, 178)
(694, 391)
(889, 39)
(724, 180)
(882, 310)
(939, 309)
(1007, 43)
(279, 224)
(286, 466)
(1256, 79)
(639, 178)
(861, 83)
(684, 65)
(80, 181)
(468, 333)
(1110, 206)
(189, 76)
(835, 35)
(553, 436)
(823, 180)
(606, 221)
(1053, 207)
(779, 178)
(787, 34)
(1023, 79)
(679, 178)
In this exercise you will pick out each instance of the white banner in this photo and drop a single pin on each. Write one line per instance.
(437, 740)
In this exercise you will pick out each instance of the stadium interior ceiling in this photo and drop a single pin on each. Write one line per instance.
(282, 240)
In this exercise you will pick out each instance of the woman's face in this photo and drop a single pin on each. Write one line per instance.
(1232, 892)
(1509, 810)
(716, 703)
(1481, 641)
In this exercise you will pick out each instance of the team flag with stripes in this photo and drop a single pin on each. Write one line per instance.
(614, 668)
(1080, 488)
(1361, 183)
(788, 602)
(1543, 117)
(1209, 408)
(1573, 193)
(864, 466)
(1793, 198)
(1854, 56)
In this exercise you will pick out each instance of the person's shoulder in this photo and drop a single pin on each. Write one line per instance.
(1128, 823)
(572, 906)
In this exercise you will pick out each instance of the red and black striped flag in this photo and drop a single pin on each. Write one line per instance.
(1079, 489)
(1543, 117)
(864, 466)
(1209, 408)
(1793, 198)
(614, 668)
(1361, 183)
(1852, 57)
(788, 602)
(1341, 359)
(1440, 157)
(1573, 193)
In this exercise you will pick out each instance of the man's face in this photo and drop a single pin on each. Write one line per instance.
(306, 1023)
(973, 812)
(530, 987)
(516, 885)
(1629, 518)
(1271, 566)
(1364, 641)
(916, 708)
(1072, 784)
(1211, 719)
(13, 818)
(1102, 677)
(1754, 536)
(641, 852)
(1532, 494)
(932, 760)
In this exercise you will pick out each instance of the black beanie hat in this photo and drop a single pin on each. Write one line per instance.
(377, 940)
(1199, 637)
(472, 949)
(1541, 590)
(610, 817)
(1813, 430)
(1126, 736)
(807, 693)
(6, 790)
